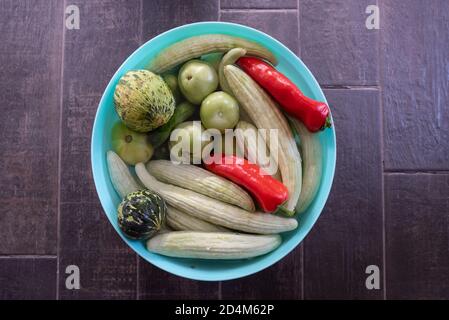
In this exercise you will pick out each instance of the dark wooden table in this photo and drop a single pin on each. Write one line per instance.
(389, 93)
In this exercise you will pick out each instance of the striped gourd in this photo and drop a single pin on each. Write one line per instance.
(197, 46)
(312, 165)
(181, 221)
(214, 211)
(202, 181)
(266, 115)
(212, 245)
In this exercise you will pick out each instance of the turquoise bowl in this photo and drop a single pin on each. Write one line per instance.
(210, 270)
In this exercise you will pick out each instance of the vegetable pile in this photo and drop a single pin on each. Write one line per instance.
(221, 187)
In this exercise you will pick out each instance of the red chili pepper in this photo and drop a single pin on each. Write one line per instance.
(269, 193)
(314, 114)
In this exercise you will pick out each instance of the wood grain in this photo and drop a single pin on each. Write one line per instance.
(348, 235)
(107, 265)
(279, 282)
(109, 32)
(258, 4)
(27, 278)
(161, 15)
(415, 68)
(336, 45)
(282, 25)
(417, 238)
(156, 284)
(30, 57)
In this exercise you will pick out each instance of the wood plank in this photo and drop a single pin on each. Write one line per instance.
(258, 4)
(282, 25)
(335, 44)
(417, 238)
(27, 278)
(107, 265)
(279, 282)
(153, 282)
(30, 77)
(161, 15)
(348, 235)
(414, 66)
(109, 32)
(156, 284)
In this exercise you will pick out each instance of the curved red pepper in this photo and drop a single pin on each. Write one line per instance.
(314, 114)
(267, 191)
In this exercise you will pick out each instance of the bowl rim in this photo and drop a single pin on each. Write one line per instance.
(326, 191)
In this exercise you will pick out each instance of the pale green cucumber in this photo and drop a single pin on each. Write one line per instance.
(121, 178)
(214, 211)
(212, 245)
(182, 221)
(229, 58)
(310, 148)
(266, 115)
(197, 46)
(202, 181)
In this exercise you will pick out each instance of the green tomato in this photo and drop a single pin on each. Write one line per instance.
(197, 79)
(220, 111)
(187, 142)
(131, 146)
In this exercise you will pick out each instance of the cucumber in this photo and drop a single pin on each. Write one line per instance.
(202, 181)
(197, 46)
(212, 245)
(266, 115)
(214, 211)
(121, 178)
(181, 221)
(229, 58)
(310, 148)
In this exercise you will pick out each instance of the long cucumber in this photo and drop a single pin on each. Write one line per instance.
(212, 245)
(181, 221)
(266, 115)
(197, 46)
(310, 148)
(202, 181)
(121, 178)
(214, 211)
